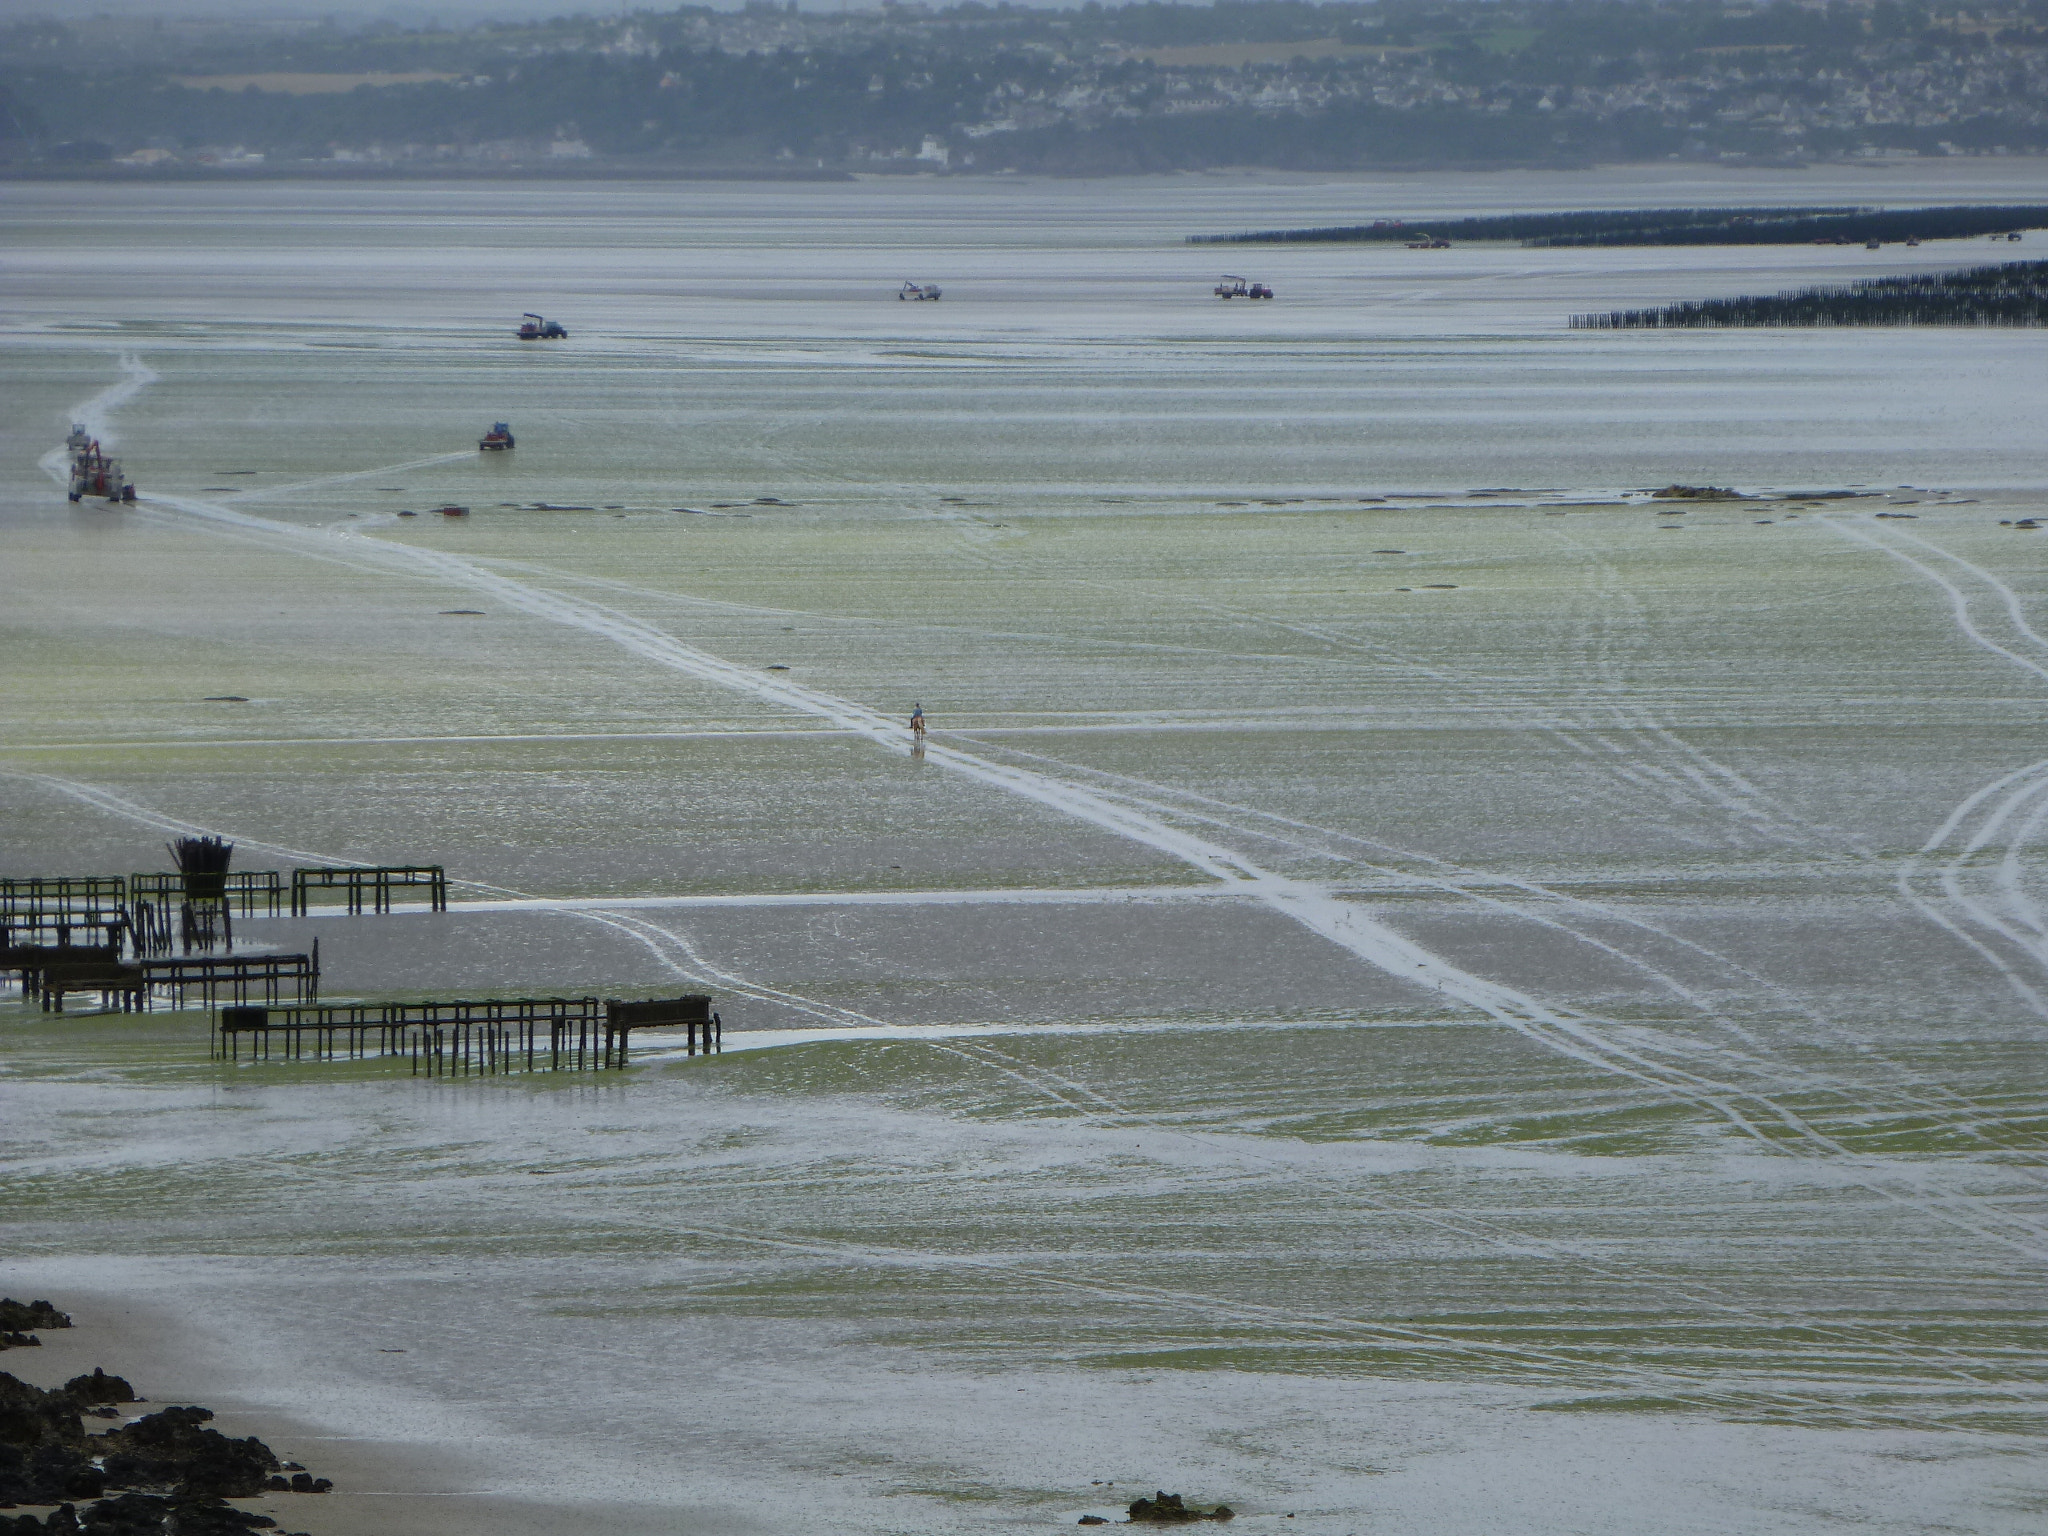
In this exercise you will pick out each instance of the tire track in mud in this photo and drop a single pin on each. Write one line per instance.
(1070, 1093)
(1951, 1365)
(1959, 602)
(661, 941)
(2003, 925)
(1330, 853)
(1073, 1094)
(1576, 1035)
(1697, 778)
(1686, 790)
(888, 626)
(97, 414)
(260, 493)
(1569, 1372)
(1580, 1036)
(692, 966)
(1697, 775)
(1946, 1109)
(1950, 1108)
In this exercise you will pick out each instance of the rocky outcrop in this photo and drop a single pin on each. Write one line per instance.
(18, 1317)
(165, 1474)
(1168, 1509)
(42, 1447)
(171, 1452)
(141, 1514)
(98, 1390)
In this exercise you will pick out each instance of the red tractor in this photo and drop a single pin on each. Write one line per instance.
(94, 474)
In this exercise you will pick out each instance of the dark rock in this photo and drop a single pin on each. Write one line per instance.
(42, 1445)
(1169, 1509)
(99, 1387)
(34, 1314)
(210, 1517)
(1091, 1520)
(86, 1482)
(18, 1341)
(141, 1514)
(129, 1514)
(171, 1451)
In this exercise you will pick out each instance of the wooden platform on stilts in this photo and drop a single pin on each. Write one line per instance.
(373, 884)
(466, 1037)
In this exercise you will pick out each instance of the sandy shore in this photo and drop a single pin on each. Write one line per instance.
(381, 1487)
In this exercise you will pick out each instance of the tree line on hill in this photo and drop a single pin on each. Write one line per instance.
(1284, 83)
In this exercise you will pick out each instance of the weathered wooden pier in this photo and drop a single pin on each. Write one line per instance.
(44, 919)
(27, 943)
(466, 1038)
(377, 882)
(251, 892)
(238, 980)
(57, 924)
(132, 986)
(88, 900)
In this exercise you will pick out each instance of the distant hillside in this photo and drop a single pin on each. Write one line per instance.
(980, 88)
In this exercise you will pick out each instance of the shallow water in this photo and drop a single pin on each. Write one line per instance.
(1411, 988)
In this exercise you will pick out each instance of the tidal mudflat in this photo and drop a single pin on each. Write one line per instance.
(1416, 986)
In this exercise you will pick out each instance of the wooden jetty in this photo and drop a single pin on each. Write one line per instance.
(464, 1037)
(251, 892)
(238, 979)
(214, 981)
(84, 901)
(376, 882)
(64, 936)
(205, 907)
(692, 1014)
(32, 947)
(25, 941)
(121, 985)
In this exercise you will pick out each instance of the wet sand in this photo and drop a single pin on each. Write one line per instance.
(1394, 1000)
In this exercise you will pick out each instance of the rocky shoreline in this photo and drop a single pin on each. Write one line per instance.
(1166, 1509)
(151, 1474)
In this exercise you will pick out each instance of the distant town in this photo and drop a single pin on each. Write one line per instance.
(977, 89)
